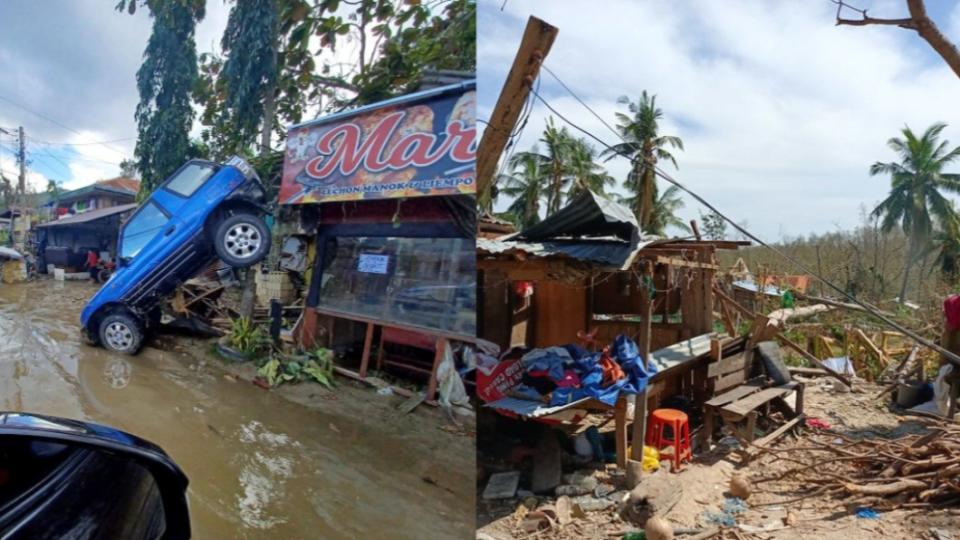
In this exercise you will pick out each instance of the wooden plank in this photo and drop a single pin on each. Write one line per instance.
(775, 434)
(735, 394)
(871, 346)
(676, 261)
(729, 381)
(742, 407)
(535, 44)
(727, 365)
(367, 344)
(807, 371)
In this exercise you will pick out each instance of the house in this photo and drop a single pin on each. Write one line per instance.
(102, 194)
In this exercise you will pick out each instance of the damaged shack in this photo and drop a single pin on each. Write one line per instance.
(594, 322)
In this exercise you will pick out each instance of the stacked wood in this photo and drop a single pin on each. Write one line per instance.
(913, 471)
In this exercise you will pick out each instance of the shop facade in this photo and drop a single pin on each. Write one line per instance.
(386, 197)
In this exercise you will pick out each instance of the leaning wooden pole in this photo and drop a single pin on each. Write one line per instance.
(534, 46)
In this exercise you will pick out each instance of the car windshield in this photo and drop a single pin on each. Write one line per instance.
(143, 226)
(189, 178)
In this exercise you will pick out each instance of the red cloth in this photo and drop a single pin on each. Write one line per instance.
(951, 310)
(91, 259)
(611, 369)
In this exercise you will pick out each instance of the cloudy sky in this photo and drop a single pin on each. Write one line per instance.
(74, 62)
(780, 111)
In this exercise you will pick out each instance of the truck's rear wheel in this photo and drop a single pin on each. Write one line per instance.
(122, 333)
(242, 240)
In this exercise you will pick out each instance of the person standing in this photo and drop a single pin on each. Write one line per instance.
(93, 265)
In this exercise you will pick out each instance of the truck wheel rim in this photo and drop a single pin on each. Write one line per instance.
(119, 336)
(243, 240)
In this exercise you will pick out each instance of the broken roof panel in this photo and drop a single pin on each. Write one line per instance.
(586, 215)
(610, 252)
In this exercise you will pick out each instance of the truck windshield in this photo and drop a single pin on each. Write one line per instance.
(143, 226)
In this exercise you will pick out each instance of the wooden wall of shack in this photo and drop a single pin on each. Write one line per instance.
(571, 296)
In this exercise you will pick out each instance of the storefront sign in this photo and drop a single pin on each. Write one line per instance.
(419, 145)
(371, 263)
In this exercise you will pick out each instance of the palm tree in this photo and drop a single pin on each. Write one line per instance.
(524, 184)
(555, 163)
(646, 146)
(915, 201)
(585, 173)
(664, 212)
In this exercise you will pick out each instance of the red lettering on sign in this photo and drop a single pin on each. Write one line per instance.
(341, 150)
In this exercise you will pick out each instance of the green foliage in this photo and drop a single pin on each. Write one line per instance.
(128, 169)
(250, 71)
(916, 203)
(248, 337)
(165, 83)
(316, 365)
(645, 144)
(320, 366)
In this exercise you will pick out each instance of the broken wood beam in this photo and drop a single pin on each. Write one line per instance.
(813, 360)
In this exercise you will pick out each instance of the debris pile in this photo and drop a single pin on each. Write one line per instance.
(912, 471)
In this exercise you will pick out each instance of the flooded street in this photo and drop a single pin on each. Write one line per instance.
(259, 465)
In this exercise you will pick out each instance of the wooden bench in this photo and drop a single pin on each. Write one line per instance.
(743, 405)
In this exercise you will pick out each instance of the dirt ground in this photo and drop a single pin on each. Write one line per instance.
(705, 489)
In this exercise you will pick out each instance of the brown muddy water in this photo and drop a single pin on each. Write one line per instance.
(259, 465)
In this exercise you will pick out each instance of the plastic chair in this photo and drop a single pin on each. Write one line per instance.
(679, 427)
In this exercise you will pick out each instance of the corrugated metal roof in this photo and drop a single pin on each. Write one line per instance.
(92, 215)
(587, 215)
(613, 253)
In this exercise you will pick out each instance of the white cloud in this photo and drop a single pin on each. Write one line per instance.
(781, 112)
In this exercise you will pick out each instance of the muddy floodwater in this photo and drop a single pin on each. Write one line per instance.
(259, 465)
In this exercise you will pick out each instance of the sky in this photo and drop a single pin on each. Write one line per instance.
(75, 63)
(781, 112)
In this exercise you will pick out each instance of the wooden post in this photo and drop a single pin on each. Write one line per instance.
(640, 403)
(367, 345)
(620, 431)
(537, 39)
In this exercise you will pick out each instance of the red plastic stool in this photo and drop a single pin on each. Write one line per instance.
(679, 430)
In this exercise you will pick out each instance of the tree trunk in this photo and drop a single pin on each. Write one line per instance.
(906, 272)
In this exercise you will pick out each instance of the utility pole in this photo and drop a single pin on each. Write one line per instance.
(22, 158)
(536, 42)
(21, 188)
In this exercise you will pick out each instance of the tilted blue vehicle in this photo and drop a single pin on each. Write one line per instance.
(203, 211)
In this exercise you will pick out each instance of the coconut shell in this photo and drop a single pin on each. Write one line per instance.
(740, 487)
(658, 528)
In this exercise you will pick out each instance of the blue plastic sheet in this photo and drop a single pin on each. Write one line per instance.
(624, 351)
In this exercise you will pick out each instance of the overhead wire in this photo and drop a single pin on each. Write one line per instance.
(867, 307)
(55, 122)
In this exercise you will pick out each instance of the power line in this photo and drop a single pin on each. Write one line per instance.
(34, 139)
(869, 308)
(55, 122)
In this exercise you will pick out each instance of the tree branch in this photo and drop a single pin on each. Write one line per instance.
(918, 21)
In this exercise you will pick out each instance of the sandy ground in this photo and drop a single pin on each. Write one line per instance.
(705, 483)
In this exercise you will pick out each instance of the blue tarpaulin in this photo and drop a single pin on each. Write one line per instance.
(556, 361)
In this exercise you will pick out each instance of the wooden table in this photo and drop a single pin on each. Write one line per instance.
(441, 343)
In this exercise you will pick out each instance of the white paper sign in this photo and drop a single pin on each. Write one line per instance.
(371, 263)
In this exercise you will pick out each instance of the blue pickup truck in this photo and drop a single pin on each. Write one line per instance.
(203, 211)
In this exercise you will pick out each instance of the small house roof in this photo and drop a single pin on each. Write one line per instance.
(92, 215)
